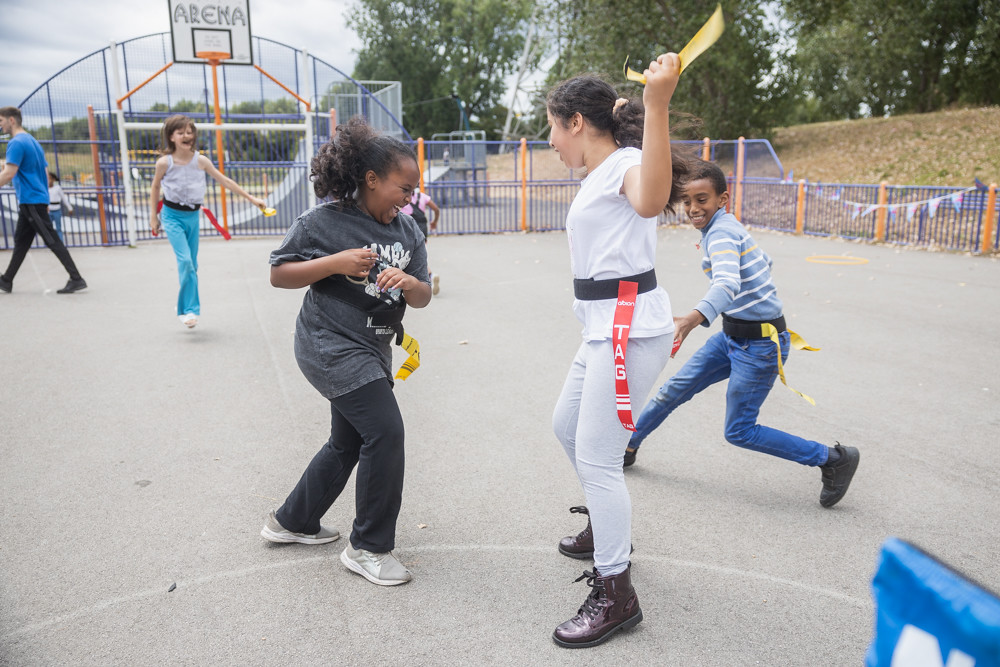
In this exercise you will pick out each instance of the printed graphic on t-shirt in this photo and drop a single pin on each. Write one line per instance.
(389, 256)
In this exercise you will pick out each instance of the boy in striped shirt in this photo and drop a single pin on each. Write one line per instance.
(743, 294)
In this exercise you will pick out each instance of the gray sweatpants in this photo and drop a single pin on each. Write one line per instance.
(586, 423)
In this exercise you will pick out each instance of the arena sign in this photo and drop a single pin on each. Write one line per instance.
(211, 26)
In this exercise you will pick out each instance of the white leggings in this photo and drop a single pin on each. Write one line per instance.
(586, 423)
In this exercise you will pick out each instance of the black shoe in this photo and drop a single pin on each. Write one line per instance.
(837, 477)
(74, 285)
(6, 285)
(630, 455)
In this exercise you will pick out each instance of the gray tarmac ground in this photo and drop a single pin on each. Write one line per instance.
(137, 454)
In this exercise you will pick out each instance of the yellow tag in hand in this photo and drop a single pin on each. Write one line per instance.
(705, 37)
(268, 212)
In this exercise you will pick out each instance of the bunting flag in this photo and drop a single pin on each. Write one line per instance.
(911, 209)
(870, 209)
(932, 206)
(956, 201)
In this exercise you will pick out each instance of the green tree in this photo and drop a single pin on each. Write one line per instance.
(445, 53)
(879, 57)
(741, 86)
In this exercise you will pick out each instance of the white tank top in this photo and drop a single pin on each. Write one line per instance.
(184, 183)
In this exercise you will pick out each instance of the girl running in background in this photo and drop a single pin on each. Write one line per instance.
(181, 173)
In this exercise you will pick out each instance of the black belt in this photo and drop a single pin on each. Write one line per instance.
(737, 328)
(386, 316)
(588, 289)
(180, 207)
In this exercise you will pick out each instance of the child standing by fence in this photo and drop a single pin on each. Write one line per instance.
(363, 263)
(627, 324)
(181, 173)
(57, 201)
(743, 294)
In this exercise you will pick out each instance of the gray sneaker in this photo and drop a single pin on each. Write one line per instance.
(381, 569)
(275, 532)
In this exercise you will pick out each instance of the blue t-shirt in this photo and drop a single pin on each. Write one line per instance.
(31, 183)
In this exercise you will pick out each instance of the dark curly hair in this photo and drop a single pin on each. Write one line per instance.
(594, 99)
(339, 168)
(710, 172)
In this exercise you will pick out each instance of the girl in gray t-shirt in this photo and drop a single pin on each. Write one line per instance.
(363, 262)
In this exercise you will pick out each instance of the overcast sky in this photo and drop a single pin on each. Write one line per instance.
(40, 37)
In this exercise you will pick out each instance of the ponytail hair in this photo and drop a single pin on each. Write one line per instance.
(340, 165)
(596, 100)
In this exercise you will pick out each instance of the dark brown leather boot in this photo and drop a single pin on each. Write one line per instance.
(581, 545)
(611, 606)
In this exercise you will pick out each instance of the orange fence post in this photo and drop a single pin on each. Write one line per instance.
(98, 179)
(524, 184)
(800, 208)
(420, 160)
(218, 138)
(989, 219)
(883, 211)
(706, 149)
(740, 157)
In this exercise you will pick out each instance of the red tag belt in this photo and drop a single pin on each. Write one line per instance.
(627, 293)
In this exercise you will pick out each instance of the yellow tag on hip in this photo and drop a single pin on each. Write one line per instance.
(798, 342)
(704, 38)
(412, 363)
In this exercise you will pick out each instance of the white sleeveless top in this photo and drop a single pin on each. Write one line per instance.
(184, 183)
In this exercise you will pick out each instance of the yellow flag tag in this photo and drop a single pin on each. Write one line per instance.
(798, 342)
(412, 363)
(705, 37)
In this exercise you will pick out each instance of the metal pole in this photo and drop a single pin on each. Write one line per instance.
(310, 119)
(130, 221)
(98, 178)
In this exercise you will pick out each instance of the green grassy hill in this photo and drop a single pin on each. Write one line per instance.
(941, 148)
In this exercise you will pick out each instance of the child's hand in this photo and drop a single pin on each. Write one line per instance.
(661, 81)
(154, 223)
(395, 278)
(355, 262)
(258, 202)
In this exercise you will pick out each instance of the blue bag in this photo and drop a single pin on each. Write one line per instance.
(929, 615)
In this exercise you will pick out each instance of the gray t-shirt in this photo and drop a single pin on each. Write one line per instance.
(336, 346)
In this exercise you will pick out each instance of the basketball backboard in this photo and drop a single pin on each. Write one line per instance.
(218, 26)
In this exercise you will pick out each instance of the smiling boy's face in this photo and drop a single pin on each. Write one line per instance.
(701, 201)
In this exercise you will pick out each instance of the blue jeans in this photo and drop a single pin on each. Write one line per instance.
(182, 228)
(751, 366)
(56, 217)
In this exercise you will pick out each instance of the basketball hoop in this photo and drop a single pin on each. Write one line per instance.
(213, 56)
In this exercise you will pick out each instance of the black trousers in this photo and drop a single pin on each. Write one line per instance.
(367, 432)
(34, 219)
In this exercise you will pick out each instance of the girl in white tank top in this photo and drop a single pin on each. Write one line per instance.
(180, 172)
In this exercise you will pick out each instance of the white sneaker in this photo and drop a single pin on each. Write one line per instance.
(275, 532)
(381, 569)
(189, 320)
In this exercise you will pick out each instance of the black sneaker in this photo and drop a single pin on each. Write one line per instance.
(6, 285)
(630, 455)
(837, 477)
(73, 286)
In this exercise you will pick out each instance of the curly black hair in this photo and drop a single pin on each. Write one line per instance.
(339, 168)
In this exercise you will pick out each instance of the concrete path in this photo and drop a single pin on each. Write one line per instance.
(137, 455)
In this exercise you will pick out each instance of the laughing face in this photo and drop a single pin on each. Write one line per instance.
(701, 201)
(184, 137)
(383, 197)
(562, 137)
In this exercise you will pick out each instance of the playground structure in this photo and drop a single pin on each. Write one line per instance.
(98, 121)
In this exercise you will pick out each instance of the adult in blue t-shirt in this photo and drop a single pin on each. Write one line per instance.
(26, 166)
